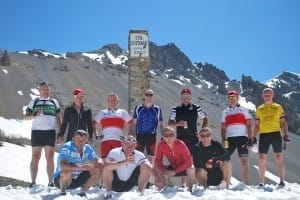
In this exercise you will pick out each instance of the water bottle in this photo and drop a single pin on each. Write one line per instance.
(225, 144)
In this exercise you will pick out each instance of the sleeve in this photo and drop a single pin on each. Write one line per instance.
(223, 117)
(135, 114)
(140, 158)
(127, 116)
(160, 115)
(64, 152)
(29, 109)
(223, 155)
(248, 114)
(112, 156)
(159, 157)
(281, 112)
(187, 158)
(89, 123)
(99, 116)
(257, 113)
(65, 122)
(201, 113)
(57, 106)
(172, 115)
(92, 154)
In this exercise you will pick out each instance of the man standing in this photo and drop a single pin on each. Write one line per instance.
(211, 160)
(236, 130)
(270, 124)
(178, 156)
(45, 112)
(147, 117)
(113, 121)
(76, 116)
(77, 165)
(185, 118)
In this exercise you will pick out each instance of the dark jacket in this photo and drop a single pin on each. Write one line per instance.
(75, 120)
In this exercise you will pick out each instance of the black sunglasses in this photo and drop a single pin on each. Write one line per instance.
(148, 95)
(169, 135)
(81, 133)
(205, 136)
(43, 83)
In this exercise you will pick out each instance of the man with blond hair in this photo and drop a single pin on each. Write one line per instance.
(271, 126)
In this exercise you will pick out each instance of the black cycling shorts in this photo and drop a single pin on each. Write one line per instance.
(148, 141)
(124, 186)
(267, 139)
(78, 182)
(240, 143)
(43, 138)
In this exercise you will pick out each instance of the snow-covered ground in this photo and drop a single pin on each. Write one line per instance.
(15, 164)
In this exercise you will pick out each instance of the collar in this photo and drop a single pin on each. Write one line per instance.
(237, 106)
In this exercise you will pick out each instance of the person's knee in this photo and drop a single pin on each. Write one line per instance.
(190, 171)
(244, 160)
(278, 157)
(201, 173)
(145, 169)
(66, 175)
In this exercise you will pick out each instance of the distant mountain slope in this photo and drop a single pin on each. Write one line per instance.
(104, 70)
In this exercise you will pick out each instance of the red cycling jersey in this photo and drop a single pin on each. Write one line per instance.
(179, 156)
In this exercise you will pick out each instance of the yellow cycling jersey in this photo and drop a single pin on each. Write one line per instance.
(269, 117)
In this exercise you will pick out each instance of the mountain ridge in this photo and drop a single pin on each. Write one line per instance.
(106, 69)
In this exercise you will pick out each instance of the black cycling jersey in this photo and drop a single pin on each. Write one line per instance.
(76, 120)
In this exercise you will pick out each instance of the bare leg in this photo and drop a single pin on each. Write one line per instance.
(107, 177)
(95, 176)
(190, 177)
(201, 175)
(244, 162)
(262, 167)
(145, 172)
(227, 172)
(49, 154)
(35, 158)
(280, 165)
(65, 180)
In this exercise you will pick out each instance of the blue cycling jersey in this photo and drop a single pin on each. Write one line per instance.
(147, 119)
(69, 152)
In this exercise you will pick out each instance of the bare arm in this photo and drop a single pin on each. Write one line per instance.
(256, 128)
(223, 131)
(58, 120)
(284, 127)
(112, 165)
(205, 122)
(249, 127)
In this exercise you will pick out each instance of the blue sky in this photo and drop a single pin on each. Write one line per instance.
(259, 38)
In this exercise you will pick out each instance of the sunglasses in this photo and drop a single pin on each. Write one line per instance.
(81, 133)
(169, 135)
(185, 96)
(205, 136)
(148, 95)
(43, 83)
(80, 95)
(231, 96)
(129, 140)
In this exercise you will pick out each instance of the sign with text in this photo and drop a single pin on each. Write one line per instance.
(139, 44)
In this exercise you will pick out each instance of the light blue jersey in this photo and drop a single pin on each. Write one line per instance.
(69, 152)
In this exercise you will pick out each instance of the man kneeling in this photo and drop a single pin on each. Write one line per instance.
(179, 157)
(125, 167)
(77, 165)
(211, 161)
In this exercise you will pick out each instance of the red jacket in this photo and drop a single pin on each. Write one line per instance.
(179, 157)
